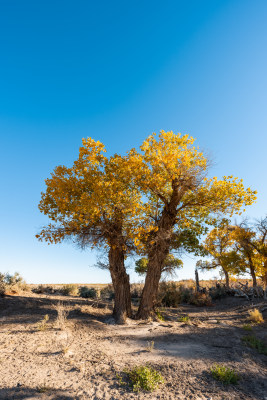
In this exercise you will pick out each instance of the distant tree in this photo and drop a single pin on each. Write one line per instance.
(219, 244)
(169, 266)
(251, 241)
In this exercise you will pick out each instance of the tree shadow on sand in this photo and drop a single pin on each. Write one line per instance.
(42, 393)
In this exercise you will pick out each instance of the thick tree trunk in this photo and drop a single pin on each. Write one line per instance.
(158, 251)
(150, 291)
(121, 284)
(252, 273)
(156, 257)
(254, 279)
(226, 274)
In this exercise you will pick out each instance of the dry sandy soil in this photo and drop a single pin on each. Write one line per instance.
(82, 360)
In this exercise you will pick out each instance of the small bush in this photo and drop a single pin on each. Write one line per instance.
(170, 294)
(247, 327)
(107, 293)
(159, 316)
(255, 316)
(224, 374)
(136, 291)
(255, 343)
(12, 283)
(217, 292)
(70, 290)
(185, 293)
(184, 319)
(62, 314)
(200, 299)
(42, 325)
(144, 378)
(41, 289)
(88, 293)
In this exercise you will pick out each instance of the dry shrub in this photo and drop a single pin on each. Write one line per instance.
(70, 290)
(41, 289)
(107, 293)
(136, 290)
(88, 293)
(12, 284)
(200, 299)
(171, 294)
(43, 324)
(168, 294)
(62, 314)
(255, 316)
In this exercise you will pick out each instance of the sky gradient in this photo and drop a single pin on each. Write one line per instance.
(118, 71)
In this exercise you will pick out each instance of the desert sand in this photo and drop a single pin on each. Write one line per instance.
(84, 356)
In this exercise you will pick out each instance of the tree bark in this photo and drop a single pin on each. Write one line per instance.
(197, 280)
(150, 291)
(265, 275)
(121, 284)
(157, 254)
(226, 274)
(252, 272)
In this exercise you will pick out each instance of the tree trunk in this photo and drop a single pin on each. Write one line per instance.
(197, 280)
(157, 253)
(264, 278)
(121, 284)
(150, 291)
(252, 273)
(254, 279)
(226, 274)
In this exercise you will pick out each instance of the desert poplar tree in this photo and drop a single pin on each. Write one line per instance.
(93, 205)
(171, 173)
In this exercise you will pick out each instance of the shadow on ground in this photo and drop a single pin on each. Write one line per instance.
(24, 393)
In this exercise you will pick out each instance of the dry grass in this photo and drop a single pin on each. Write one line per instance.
(62, 314)
(42, 325)
(256, 316)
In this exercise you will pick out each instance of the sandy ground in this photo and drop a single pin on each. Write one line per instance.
(83, 359)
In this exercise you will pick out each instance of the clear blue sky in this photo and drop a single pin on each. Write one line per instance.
(117, 71)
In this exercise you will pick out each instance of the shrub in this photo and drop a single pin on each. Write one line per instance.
(62, 314)
(136, 291)
(255, 316)
(247, 327)
(200, 299)
(185, 293)
(159, 316)
(144, 378)
(184, 319)
(42, 325)
(255, 343)
(88, 293)
(224, 374)
(70, 290)
(169, 294)
(40, 289)
(217, 292)
(107, 293)
(14, 283)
